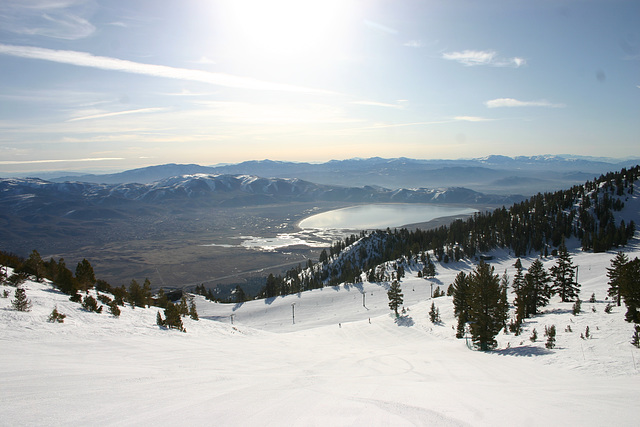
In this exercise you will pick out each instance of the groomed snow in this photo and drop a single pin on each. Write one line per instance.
(339, 364)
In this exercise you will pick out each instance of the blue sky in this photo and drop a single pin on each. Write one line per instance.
(122, 84)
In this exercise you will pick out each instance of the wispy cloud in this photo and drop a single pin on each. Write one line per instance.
(472, 58)
(378, 104)
(83, 59)
(23, 162)
(471, 119)
(118, 113)
(510, 102)
(380, 27)
(413, 43)
(54, 19)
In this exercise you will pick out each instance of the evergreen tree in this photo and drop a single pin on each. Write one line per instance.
(193, 313)
(630, 290)
(635, 338)
(434, 313)
(146, 293)
(85, 275)
(114, 309)
(577, 307)
(614, 274)
(21, 302)
(173, 320)
(183, 308)
(56, 316)
(461, 302)
(487, 310)
(550, 332)
(64, 279)
(91, 304)
(240, 295)
(395, 296)
(34, 266)
(140, 296)
(537, 290)
(563, 274)
(159, 319)
(161, 299)
(135, 294)
(271, 288)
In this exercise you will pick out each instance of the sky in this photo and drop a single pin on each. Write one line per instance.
(113, 85)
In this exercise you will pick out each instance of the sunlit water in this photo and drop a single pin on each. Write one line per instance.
(381, 216)
(321, 229)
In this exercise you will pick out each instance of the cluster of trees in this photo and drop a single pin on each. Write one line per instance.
(480, 298)
(82, 281)
(624, 284)
(533, 289)
(480, 301)
(537, 225)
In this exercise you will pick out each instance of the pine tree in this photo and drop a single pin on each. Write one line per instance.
(114, 309)
(173, 320)
(630, 290)
(161, 299)
(395, 296)
(64, 279)
(85, 275)
(577, 307)
(34, 266)
(193, 313)
(240, 295)
(635, 339)
(613, 273)
(183, 308)
(434, 313)
(21, 302)
(550, 332)
(146, 293)
(159, 319)
(461, 302)
(56, 316)
(488, 309)
(91, 304)
(563, 274)
(536, 289)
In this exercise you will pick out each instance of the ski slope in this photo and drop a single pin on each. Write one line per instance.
(339, 364)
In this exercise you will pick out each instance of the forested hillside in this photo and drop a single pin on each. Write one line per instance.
(594, 213)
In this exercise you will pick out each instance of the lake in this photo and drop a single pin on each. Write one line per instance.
(381, 216)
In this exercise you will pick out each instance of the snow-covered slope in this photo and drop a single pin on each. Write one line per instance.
(339, 364)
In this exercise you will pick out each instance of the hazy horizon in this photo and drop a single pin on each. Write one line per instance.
(115, 85)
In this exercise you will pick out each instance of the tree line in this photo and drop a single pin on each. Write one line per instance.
(537, 225)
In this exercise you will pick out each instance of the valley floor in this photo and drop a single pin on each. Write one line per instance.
(340, 363)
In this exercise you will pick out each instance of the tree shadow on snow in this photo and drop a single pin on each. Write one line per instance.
(404, 321)
(527, 351)
(237, 306)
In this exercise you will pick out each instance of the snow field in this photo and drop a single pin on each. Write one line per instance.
(339, 364)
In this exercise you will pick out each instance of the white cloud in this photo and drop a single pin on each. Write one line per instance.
(380, 27)
(413, 43)
(118, 113)
(471, 119)
(54, 19)
(471, 58)
(510, 102)
(377, 104)
(83, 59)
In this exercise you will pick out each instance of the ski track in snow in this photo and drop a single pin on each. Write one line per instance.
(340, 364)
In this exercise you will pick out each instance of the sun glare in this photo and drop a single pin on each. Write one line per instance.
(286, 27)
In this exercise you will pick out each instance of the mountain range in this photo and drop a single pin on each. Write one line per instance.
(495, 174)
